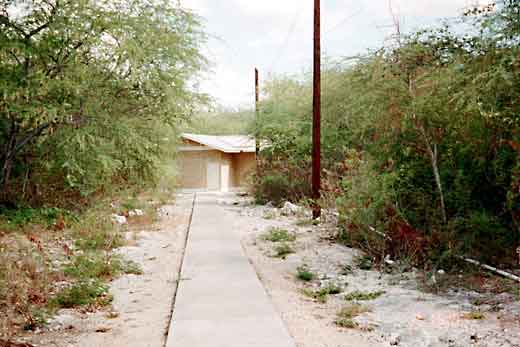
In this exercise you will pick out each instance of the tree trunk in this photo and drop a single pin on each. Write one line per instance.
(432, 151)
(7, 157)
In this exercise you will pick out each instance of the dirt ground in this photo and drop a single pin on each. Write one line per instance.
(141, 310)
(402, 316)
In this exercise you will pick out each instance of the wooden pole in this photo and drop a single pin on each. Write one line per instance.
(316, 124)
(257, 110)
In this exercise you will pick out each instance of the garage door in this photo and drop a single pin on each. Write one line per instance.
(200, 170)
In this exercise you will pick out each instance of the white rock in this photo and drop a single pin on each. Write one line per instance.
(119, 219)
(290, 209)
(60, 322)
(136, 212)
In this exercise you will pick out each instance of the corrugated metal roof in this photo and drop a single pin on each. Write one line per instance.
(226, 144)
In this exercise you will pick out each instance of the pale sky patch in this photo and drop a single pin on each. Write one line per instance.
(276, 35)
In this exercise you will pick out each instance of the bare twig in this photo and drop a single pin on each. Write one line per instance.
(491, 268)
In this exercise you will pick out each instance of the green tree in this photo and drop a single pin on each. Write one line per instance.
(89, 87)
(433, 125)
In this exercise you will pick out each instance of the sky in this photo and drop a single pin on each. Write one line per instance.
(276, 35)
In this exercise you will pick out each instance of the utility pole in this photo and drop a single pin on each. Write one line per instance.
(316, 104)
(257, 111)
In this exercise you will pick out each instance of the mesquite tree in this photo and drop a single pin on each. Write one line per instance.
(87, 85)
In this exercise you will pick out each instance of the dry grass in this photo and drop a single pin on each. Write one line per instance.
(67, 263)
(474, 315)
(345, 317)
(27, 277)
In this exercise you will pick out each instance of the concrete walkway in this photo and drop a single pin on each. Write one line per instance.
(221, 302)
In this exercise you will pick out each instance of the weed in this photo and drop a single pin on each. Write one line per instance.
(318, 295)
(132, 202)
(36, 318)
(353, 310)
(322, 294)
(477, 302)
(308, 292)
(345, 317)
(99, 235)
(92, 266)
(80, 294)
(283, 250)
(278, 235)
(333, 289)
(48, 216)
(96, 266)
(474, 315)
(132, 268)
(363, 296)
(304, 273)
(364, 262)
(269, 215)
(346, 323)
(346, 269)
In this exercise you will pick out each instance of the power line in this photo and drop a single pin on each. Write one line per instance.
(345, 20)
(290, 32)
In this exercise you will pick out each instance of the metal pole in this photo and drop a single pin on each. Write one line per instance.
(257, 110)
(316, 124)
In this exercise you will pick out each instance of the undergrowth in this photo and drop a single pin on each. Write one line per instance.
(283, 250)
(303, 273)
(44, 247)
(321, 295)
(363, 296)
(278, 235)
(80, 294)
(345, 317)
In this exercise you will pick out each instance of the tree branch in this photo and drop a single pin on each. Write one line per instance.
(7, 22)
(29, 136)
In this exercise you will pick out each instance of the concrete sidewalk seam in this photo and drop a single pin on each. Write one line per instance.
(179, 274)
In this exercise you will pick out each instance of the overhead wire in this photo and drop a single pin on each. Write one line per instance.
(345, 20)
(285, 43)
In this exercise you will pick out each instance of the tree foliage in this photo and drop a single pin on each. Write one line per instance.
(434, 122)
(90, 89)
(220, 121)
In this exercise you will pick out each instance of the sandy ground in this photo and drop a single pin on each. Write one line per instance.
(141, 311)
(402, 316)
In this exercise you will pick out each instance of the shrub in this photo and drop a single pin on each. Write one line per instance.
(347, 313)
(273, 187)
(283, 250)
(279, 235)
(474, 315)
(321, 295)
(364, 262)
(414, 143)
(304, 273)
(98, 266)
(346, 323)
(80, 294)
(363, 296)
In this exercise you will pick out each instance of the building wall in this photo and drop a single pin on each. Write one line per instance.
(244, 165)
(193, 168)
(230, 169)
